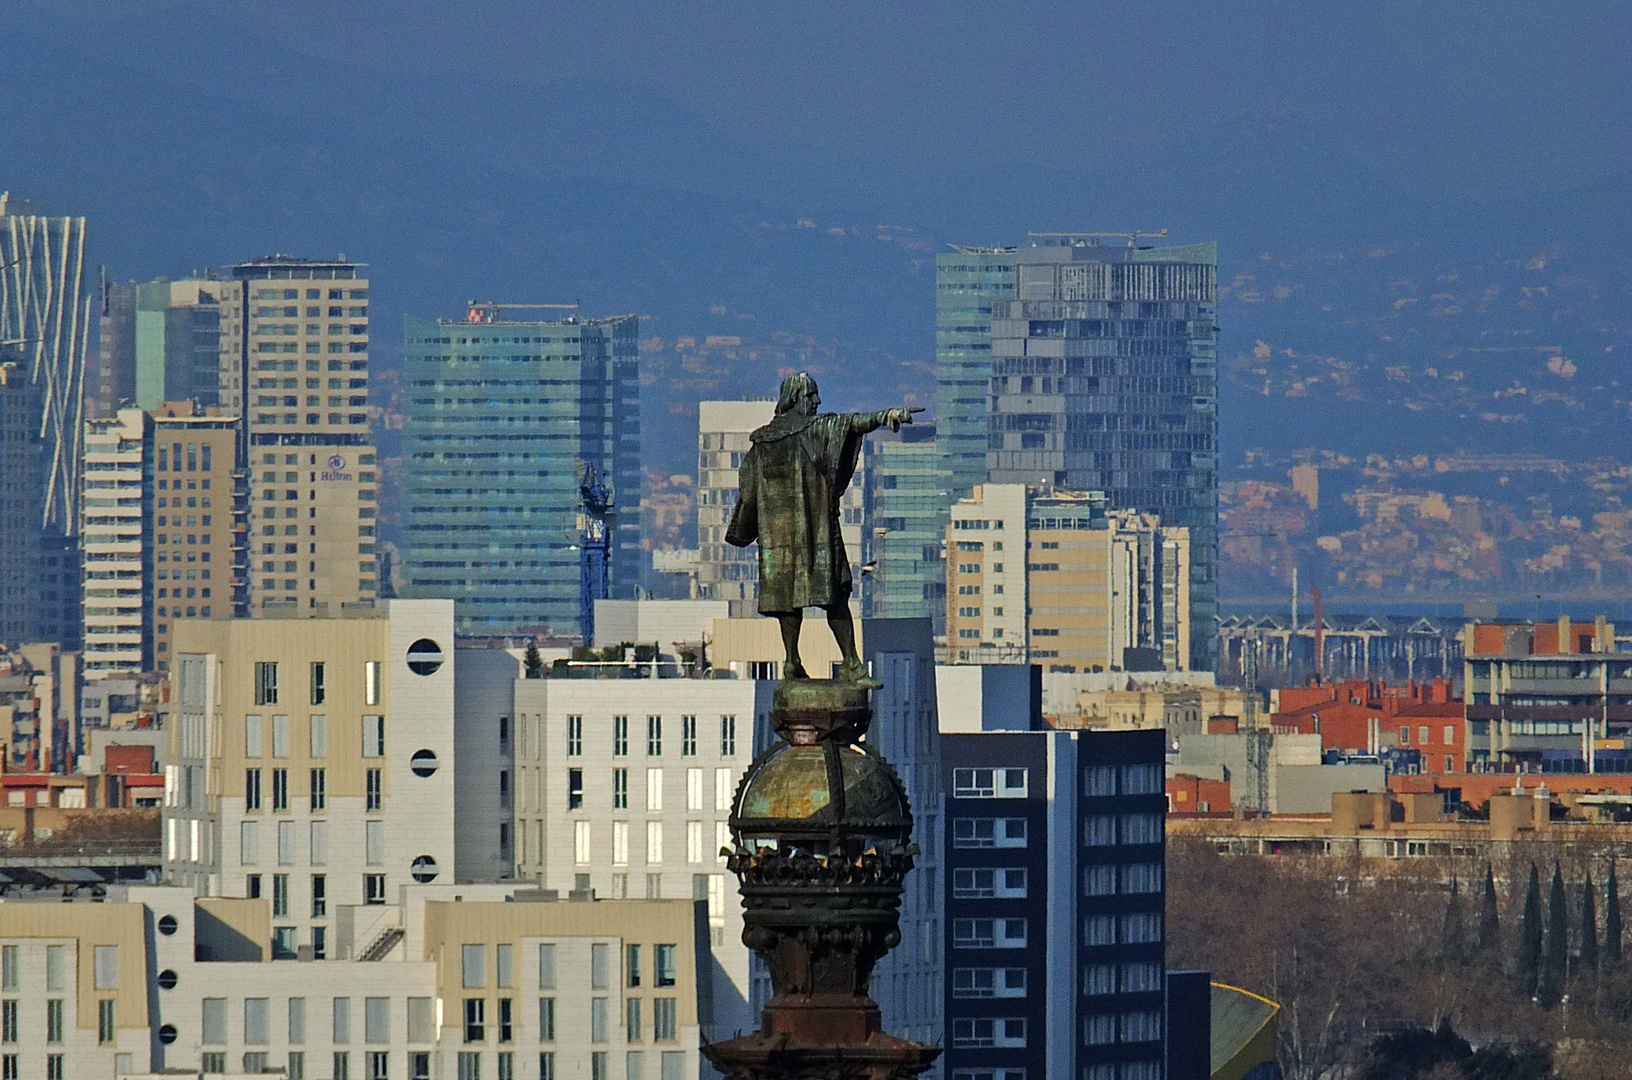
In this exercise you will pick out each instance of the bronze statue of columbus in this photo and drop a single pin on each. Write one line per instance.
(791, 482)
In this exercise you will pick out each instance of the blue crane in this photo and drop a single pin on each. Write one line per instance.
(594, 550)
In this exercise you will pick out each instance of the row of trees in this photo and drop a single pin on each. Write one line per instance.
(1353, 948)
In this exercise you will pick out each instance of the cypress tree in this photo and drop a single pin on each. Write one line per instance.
(1555, 951)
(1490, 926)
(1452, 943)
(533, 662)
(1612, 919)
(1528, 967)
(1589, 927)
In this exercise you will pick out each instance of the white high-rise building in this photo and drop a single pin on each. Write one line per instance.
(113, 528)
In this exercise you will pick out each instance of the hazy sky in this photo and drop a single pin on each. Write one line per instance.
(1477, 96)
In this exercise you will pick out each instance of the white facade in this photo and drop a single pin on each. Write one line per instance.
(663, 621)
(986, 593)
(334, 789)
(624, 787)
(113, 527)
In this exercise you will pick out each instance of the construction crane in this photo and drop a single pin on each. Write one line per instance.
(594, 549)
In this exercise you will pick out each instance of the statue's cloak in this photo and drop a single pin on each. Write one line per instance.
(790, 485)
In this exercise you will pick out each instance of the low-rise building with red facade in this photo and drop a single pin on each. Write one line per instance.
(1364, 717)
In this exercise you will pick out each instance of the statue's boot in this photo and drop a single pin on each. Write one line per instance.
(793, 671)
(855, 673)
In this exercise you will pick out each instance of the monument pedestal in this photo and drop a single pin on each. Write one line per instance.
(822, 833)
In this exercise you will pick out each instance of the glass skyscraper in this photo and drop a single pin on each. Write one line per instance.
(1101, 369)
(503, 417)
(904, 526)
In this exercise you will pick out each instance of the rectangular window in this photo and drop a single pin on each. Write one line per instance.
(472, 966)
(665, 1019)
(575, 736)
(631, 1020)
(597, 1066)
(342, 1021)
(599, 963)
(421, 1020)
(377, 1021)
(1002, 1032)
(379, 1065)
(371, 682)
(252, 789)
(503, 965)
(342, 1065)
(654, 736)
(728, 736)
(575, 789)
(546, 967)
(620, 736)
(319, 789)
(1005, 982)
(989, 933)
(1142, 828)
(320, 843)
(1143, 779)
(280, 895)
(252, 735)
(597, 1020)
(1142, 878)
(694, 789)
(56, 1069)
(255, 1025)
(1449, 736)
(318, 736)
(620, 789)
(1099, 830)
(373, 736)
(280, 735)
(634, 1065)
(320, 896)
(56, 966)
(297, 1065)
(986, 883)
(266, 683)
(688, 736)
(546, 1065)
(664, 971)
(580, 843)
(374, 843)
(654, 789)
(213, 1030)
(632, 965)
(475, 1020)
(989, 783)
(546, 1019)
(374, 889)
(989, 832)
(654, 843)
(320, 692)
(280, 790)
(620, 843)
(8, 1020)
(106, 967)
(105, 1032)
(507, 1065)
(469, 1065)
(507, 1022)
(373, 789)
(694, 842)
(53, 1020)
(722, 789)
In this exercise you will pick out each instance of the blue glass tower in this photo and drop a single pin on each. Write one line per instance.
(503, 418)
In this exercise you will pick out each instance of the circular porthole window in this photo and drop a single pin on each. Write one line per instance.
(167, 979)
(424, 763)
(424, 657)
(167, 1034)
(167, 925)
(424, 869)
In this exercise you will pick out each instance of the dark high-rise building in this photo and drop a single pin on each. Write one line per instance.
(504, 416)
(110, 375)
(1055, 855)
(1101, 364)
(19, 502)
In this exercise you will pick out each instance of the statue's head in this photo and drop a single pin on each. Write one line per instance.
(799, 396)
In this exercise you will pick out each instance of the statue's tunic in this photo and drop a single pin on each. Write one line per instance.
(791, 482)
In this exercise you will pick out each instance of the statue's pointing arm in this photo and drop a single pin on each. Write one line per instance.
(894, 418)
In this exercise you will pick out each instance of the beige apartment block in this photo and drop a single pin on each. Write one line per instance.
(479, 981)
(295, 351)
(112, 540)
(312, 765)
(193, 520)
(1057, 580)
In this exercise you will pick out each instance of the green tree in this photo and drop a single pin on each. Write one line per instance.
(1490, 926)
(1589, 928)
(532, 662)
(1555, 952)
(1612, 918)
(1453, 936)
(1528, 967)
